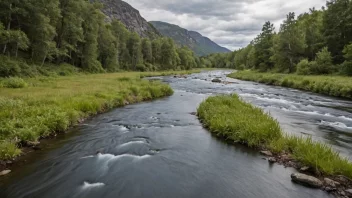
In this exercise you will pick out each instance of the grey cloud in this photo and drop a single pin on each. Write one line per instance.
(231, 23)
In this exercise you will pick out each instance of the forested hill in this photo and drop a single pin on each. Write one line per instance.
(36, 35)
(316, 42)
(129, 16)
(199, 44)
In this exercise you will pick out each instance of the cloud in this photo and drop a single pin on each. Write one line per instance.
(230, 23)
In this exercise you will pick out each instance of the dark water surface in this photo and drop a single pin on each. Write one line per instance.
(159, 149)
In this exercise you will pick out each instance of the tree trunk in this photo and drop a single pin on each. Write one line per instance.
(8, 28)
(44, 59)
(16, 49)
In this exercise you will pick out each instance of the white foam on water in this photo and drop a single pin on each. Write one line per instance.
(346, 118)
(277, 100)
(87, 185)
(131, 143)
(123, 128)
(338, 125)
(90, 156)
(110, 157)
(172, 126)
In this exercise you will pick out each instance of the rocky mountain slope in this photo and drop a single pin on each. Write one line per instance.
(129, 16)
(199, 44)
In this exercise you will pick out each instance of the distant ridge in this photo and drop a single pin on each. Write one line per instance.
(201, 45)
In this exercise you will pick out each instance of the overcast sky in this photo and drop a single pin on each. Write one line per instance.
(230, 23)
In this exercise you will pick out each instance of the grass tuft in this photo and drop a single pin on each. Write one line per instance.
(13, 82)
(236, 120)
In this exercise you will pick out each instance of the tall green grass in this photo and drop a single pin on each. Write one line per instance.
(236, 120)
(50, 105)
(338, 86)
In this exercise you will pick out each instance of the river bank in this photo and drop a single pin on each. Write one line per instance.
(47, 106)
(337, 86)
(240, 122)
(152, 149)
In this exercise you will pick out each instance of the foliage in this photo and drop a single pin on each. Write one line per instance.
(321, 37)
(238, 121)
(75, 32)
(14, 82)
(303, 67)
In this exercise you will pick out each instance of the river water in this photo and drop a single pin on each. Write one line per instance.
(160, 149)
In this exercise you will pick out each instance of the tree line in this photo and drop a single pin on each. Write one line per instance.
(75, 32)
(316, 42)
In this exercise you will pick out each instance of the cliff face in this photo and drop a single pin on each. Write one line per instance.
(129, 16)
(198, 43)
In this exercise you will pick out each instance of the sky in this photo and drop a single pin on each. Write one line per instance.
(230, 23)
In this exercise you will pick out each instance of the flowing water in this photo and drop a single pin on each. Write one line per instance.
(160, 149)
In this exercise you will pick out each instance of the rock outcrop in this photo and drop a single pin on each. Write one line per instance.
(129, 16)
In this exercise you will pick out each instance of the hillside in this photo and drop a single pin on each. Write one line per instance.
(129, 16)
(198, 43)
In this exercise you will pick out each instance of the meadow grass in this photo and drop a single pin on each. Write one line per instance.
(230, 117)
(50, 105)
(338, 86)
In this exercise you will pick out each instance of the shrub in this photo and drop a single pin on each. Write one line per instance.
(9, 67)
(141, 67)
(324, 63)
(14, 82)
(303, 67)
(346, 68)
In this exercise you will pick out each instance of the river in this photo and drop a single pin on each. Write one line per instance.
(160, 149)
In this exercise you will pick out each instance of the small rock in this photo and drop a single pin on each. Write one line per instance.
(343, 179)
(348, 192)
(304, 168)
(9, 162)
(267, 153)
(4, 172)
(329, 189)
(193, 113)
(306, 180)
(216, 80)
(33, 144)
(272, 160)
(342, 193)
(331, 182)
(287, 157)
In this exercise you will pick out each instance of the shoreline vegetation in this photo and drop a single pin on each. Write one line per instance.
(336, 86)
(231, 118)
(36, 108)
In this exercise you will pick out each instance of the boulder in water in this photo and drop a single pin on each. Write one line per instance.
(216, 80)
(306, 180)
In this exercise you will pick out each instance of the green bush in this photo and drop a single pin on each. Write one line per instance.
(141, 67)
(323, 63)
(9, 67)
(303, 67)
(14, 82)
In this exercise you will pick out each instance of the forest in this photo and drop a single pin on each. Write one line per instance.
(38, 37)
(314, 43)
